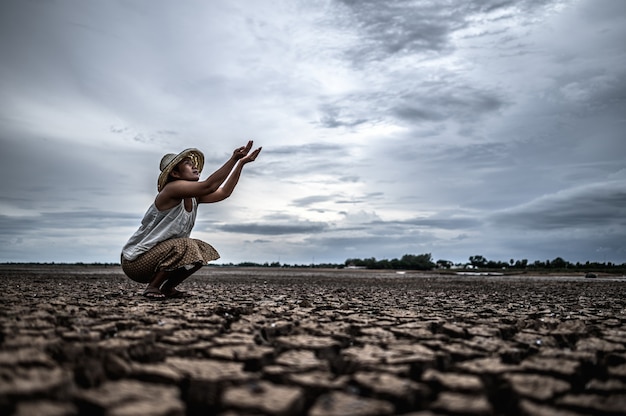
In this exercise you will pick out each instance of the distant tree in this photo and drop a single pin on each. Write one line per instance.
(354, 263)
(248, 264)
(559, 263)
(371, 263)
(383, 264)
(521, 264)
(492, 264)
(417, 262)
(395, 264)
(444, 264)
(478, 261)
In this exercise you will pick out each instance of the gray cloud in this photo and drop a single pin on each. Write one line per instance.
(408, 27)
(332, 117)
(401, 27)
(65, 222)
(446, 223)
(308, 149)
(595, 205)
(310, 200)
(304, 227)
(437, 103)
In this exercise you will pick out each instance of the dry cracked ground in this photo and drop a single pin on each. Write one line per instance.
(81, 341)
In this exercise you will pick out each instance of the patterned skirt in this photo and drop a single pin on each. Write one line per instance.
(169, 255)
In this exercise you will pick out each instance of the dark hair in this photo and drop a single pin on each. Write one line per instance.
(170, 178)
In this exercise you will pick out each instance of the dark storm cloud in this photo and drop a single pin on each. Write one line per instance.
(337, 199)
(64, 221)
(310, 200)
(303, 227)
(444, 101)
(390, 28)
(307, 159)
(349, 179)
(360, 199)
(445, 223)
(600, 205)
(308, 149)
(598, 93)
(20, 202)
(410, 228)
(332, 117)
(393, 230)
(401, 26)
(366, 246)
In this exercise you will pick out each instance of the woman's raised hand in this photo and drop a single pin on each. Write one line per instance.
(251, 156)
(242, 151)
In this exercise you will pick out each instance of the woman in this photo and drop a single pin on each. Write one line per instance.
(161, 253)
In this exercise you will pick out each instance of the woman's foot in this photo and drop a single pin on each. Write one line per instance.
(153, 293)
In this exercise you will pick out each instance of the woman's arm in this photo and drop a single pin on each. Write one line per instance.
(228, 188)
(215, 180)
(175, 191)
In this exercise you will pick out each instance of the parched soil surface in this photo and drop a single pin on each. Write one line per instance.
(82, 341)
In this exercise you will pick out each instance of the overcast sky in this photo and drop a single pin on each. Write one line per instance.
(485, 127)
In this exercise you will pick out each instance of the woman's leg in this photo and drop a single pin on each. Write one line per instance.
(175, 260)
(176, 277)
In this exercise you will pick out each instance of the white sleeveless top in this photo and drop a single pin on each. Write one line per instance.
(158, 226)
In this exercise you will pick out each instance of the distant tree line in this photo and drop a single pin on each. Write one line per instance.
(556, 264)
(417, 262)
(476, 262)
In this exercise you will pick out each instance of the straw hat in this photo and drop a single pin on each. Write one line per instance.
(170, 160)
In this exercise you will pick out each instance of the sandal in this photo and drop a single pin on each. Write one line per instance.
(172, 292)
(153, 294)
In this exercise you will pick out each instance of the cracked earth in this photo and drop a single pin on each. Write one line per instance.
(80, 340)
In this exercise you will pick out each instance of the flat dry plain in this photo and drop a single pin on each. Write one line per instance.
(80, 340)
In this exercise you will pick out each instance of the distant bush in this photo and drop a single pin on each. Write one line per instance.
(407, 262)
